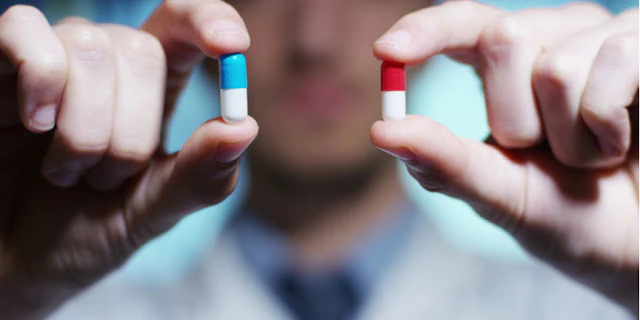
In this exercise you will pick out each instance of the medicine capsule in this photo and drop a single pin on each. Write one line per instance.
(233, 87)
(393, 86)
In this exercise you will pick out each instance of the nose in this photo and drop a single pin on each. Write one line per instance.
(315, 30)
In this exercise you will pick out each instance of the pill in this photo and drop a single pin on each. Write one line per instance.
(233, 87)
(393, 86)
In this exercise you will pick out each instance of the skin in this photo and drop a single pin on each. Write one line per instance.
(313, 88)
(82, 197)
(569, 198)
(562, 161)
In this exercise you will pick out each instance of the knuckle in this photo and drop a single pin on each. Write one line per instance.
(87, 42)
(143, 49)
(556, 69)
(505, 33)
(92, 143)
(87, 147)
(622, 46)
(132, 149)
(591, 108)
(504, 37)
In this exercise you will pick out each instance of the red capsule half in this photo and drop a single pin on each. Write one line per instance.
(393, 77)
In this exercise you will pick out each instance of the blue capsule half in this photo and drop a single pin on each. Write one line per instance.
(233, 71)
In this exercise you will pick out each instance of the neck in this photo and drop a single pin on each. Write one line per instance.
(321, 228)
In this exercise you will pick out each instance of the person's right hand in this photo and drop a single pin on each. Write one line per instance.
(82, 110)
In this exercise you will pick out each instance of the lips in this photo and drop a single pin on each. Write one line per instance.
(320, 98)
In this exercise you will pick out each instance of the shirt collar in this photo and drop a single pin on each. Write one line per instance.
(268, 254)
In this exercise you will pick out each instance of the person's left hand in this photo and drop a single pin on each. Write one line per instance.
(560, 169)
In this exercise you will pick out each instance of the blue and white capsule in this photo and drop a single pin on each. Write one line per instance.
(233, 87)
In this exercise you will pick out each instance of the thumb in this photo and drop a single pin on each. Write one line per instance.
(480, 174)
(203, 173)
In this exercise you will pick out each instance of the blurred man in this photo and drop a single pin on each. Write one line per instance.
(326, 231)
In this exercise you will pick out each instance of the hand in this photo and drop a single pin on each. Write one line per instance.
(84, 181)
(560, 170)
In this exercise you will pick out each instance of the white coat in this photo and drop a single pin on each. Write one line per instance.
(429, 280)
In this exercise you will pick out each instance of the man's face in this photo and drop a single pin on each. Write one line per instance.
(314, 83)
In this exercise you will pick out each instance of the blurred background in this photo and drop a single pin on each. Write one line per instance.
(445, 91)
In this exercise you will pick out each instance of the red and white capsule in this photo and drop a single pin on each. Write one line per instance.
(394, 91)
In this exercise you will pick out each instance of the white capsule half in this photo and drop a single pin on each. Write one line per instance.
(233, 104)
(394, 105)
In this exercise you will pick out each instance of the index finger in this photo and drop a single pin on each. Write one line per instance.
(189, 30)
(451, 27)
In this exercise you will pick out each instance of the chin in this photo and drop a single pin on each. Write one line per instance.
(320, 171)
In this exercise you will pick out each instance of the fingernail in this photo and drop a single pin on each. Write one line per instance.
(229, 152)
(63, 178)
(43, 117)
(400, 39)
(225, 29)
(403, 154)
